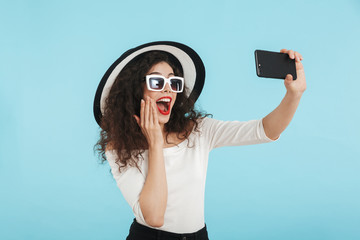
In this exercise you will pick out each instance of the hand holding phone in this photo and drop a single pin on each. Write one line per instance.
(274, 64)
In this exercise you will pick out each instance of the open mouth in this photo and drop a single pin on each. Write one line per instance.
(163, 105)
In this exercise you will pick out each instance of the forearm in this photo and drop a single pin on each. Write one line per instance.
(153, 197)
(276, 121)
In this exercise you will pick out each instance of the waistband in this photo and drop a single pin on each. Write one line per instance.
(160, 234)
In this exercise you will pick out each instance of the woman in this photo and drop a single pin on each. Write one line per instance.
(156, 143)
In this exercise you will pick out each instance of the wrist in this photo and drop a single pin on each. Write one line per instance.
(156, 145)
(295, 95)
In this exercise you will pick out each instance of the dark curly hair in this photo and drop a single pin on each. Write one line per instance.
(119, 129)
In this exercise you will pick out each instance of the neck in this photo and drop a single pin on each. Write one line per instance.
(164, 133)
(162, 126)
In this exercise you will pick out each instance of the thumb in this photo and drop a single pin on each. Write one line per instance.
(137, 119)
(288, 78)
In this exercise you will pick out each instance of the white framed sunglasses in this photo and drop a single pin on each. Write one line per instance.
(158, 82)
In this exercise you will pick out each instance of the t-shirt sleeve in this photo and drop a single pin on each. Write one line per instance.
(130, 181)
(233, 133)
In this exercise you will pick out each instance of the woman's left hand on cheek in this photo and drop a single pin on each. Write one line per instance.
(297, 86)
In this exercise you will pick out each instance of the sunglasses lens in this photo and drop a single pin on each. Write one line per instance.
(176, 84)
(156, 83)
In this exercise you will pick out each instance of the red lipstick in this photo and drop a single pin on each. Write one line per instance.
(163, 104)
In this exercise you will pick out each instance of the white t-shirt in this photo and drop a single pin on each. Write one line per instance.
(186, 168)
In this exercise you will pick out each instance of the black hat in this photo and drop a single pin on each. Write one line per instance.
(193, 69)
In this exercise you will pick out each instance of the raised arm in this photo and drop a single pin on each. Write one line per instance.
(276, 121)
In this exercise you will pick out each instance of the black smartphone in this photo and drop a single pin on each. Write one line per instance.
(274, 64)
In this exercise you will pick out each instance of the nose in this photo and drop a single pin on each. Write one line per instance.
(167, 88)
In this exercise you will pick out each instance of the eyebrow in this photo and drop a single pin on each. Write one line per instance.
(161, 74)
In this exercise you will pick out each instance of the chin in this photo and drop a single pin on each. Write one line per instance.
(164, 119)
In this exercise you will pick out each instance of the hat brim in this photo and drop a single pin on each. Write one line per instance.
(192, 65)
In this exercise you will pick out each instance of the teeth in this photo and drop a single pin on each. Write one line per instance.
(164, 100)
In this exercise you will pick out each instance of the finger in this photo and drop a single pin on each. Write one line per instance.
(299, 65)
(151, 112)
(149, 116)
(155, 115)
(291, 54)
(297, 56)
(301, 57)
(300, 70)
(142, 113)
(147, 112)
(283, 50)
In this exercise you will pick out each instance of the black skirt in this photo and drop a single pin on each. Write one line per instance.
(140, 232)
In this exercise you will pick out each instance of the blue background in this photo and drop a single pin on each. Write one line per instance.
(54, 53)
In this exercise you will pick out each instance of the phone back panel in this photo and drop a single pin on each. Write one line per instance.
(274, 64)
